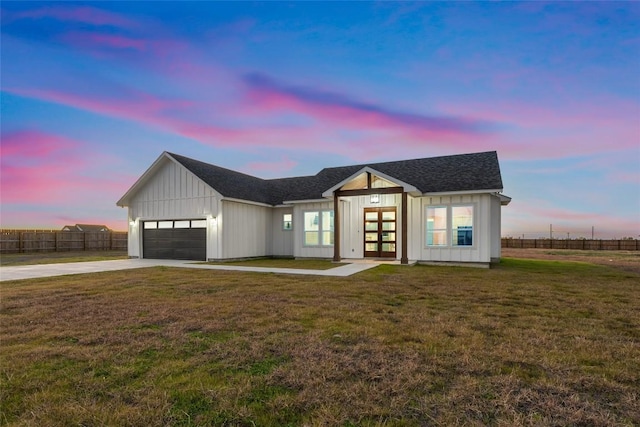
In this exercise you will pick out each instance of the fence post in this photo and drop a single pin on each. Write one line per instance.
(84, 240)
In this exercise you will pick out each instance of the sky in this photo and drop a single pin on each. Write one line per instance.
(93, 92)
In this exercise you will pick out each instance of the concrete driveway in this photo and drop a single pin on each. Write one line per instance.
(50, 270)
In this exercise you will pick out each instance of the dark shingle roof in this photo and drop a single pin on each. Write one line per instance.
(85, 227)
(227, 182)
(462, 172)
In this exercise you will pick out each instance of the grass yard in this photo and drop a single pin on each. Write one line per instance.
(308, 264)
(532, 342)
(59, 257)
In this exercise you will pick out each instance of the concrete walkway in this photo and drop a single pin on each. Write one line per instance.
(50, 270)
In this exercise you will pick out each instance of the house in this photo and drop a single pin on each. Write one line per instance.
(440, 209)
(85, 227)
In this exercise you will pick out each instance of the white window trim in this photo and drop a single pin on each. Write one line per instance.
(320, 229)
(449, 230)
(446, 229)
(473, 224)
(285, 221)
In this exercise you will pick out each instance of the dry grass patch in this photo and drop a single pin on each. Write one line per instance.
(527, 343)
(625, 260)
(305, 264)
(59, 257)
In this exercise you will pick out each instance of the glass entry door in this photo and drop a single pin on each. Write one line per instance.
(380, 232)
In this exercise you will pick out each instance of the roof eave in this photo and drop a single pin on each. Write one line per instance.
(248, 202)
(124, 200)
(504, 200)
(446, 193)
(293, 202)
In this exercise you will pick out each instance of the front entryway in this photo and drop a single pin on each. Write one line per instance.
(380, 232)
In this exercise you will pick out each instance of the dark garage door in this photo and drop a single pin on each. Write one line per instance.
(179, 239)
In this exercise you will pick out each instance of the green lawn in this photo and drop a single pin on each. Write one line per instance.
(526, 343)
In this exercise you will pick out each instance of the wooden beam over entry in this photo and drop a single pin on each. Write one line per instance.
(386, 190)
(404, 259)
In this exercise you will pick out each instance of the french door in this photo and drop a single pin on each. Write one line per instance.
(380, 232)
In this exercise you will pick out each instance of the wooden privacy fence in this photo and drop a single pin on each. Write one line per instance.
(579, 244)
(16, 241)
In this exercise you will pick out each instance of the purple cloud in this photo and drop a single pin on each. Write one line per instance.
(333, 106)
(82, 14)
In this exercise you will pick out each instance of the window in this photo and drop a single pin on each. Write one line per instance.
(318, 228)
(183, 223)
(199, 223)
(437, 226)
(287, 221)
(456, 220)
(462, 225)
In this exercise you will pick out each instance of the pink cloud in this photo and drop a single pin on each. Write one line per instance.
(155, 54)
(331, 119)
(325, 121)
(370, 127)
(38, 184)
(568, 130)
(273, 96)
(533, 133)
(30, 144)
(35, 166)
(166, 114)
(92, 40)
(131, 105)
(630, 177)
(160, 113)
(82, 14)
(40, 169)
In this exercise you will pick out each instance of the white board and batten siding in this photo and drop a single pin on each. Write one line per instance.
(172, 193)
(479, 252)
(246, 230)
(496, 229)
(281, 239)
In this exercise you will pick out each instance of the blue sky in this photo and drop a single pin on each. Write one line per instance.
(92, 93)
